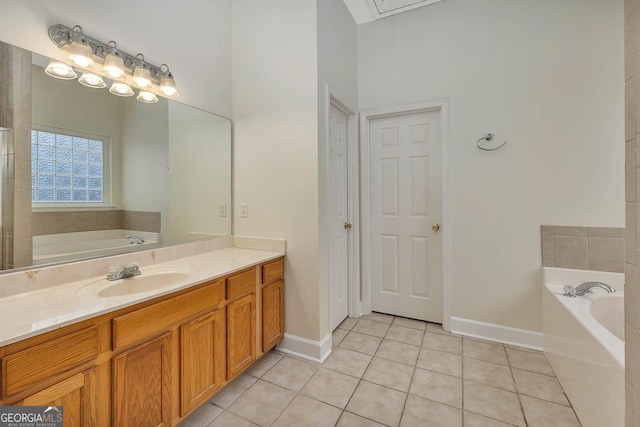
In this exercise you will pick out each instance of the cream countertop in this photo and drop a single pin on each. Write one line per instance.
(29, 314)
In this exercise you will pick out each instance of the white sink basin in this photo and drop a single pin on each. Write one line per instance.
(149, 280)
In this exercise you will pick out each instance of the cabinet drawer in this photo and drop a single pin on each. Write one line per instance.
(149, 321)
(272, 272)
(27, 367)
(241, 284)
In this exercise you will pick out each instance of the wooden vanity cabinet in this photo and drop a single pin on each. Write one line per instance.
(142, 385)
(241, 322)
(76, 394)
(203, 361)
(155, 362)
(272, 306)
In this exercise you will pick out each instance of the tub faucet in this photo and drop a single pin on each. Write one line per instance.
(115, 274)
(585, 288)
(135, 239)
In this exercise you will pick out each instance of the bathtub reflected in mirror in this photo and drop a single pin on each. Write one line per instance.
(104, 167)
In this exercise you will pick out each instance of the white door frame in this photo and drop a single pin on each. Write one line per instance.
(353, 195)
(442, 106)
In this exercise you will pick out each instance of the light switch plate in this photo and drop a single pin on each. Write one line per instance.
(244, 210)
(223, 210)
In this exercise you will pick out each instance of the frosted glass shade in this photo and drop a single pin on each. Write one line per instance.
(168, 86)
(60, 70)
(142, 76)
(114, 66)
(92, 80)
(147, 97)
(121, 89)
(81, 54)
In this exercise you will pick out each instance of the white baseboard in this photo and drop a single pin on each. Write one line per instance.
(316, 351)
(498, 333)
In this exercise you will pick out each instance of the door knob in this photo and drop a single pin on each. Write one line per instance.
(347, 225)
(435, 227)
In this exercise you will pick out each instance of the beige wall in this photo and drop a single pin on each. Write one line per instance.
(192, 36)
(145, 158)
(632, 240)
(199, 173)
(275, 113)
(544, 75)
(69, 105)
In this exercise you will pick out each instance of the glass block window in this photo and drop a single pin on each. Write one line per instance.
(66, 168)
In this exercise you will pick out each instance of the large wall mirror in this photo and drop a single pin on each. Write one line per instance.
(86, 173)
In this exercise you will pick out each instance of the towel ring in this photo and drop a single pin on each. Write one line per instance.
(488, 137)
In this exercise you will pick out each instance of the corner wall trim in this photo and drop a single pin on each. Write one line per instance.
(498, 333)
(316, 351)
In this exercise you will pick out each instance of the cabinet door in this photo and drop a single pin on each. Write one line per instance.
(203, 359)
(241, 338)
(76, 394)
(142, 385)
(272, 314)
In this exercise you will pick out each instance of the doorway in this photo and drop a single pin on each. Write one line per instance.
(405, 229)
(342, 208)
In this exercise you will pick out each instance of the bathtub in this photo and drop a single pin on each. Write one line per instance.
(86, 244)
(584, 342)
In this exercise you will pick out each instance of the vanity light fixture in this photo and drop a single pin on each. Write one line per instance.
(147, 97)
(60, 70)
(141, 74)
(106, 60)
(92, 80)
(167, 83)
(80, 51)
(113, 62)
(121, 89)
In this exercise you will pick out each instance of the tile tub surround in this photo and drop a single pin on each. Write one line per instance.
(93, 220)
(454, 381)
(74, 299)
(583, 248)
(632, 227)
(15, 113)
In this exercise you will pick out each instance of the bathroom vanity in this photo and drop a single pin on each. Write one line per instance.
(152, 362)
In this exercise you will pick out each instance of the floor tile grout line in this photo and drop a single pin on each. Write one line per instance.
(298, 392)
(404, 407)
(537, 397)
(524, 414)
(414, 367)
(361, 379)
(489, 417)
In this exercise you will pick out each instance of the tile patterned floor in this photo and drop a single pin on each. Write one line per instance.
(391, 371)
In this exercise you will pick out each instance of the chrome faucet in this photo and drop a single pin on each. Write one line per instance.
(135, 239)
(585, 288)
(115, 274)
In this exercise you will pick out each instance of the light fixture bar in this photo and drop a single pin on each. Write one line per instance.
(62, 36)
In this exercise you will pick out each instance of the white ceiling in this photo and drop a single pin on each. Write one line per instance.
(370, 10)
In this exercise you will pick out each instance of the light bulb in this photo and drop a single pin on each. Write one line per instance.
(147, 97)
(142, 76)
(114, 66)
(81, 54)
(121, 89)
(92, 80)
(168, 86)
(60, 70)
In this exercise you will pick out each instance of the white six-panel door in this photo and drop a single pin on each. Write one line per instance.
(338, 217)
(405, 187)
